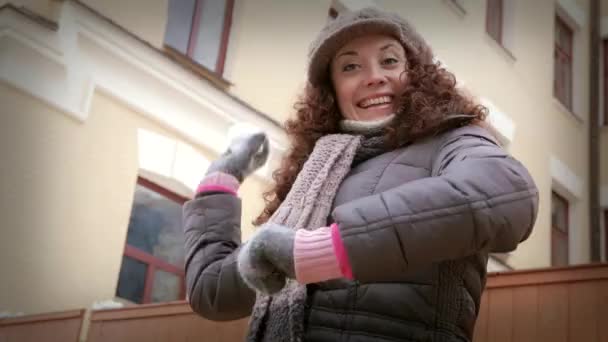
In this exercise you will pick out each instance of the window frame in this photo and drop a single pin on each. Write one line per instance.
(606, 82)
(606, 232)
(569, 54)
(557, 233)
(459, 6)
(193, 34)
(153, 263)
(498, 15)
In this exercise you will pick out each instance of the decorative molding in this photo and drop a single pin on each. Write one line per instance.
(570, 11)
(500, 121)
(566, 182)
(89, 53)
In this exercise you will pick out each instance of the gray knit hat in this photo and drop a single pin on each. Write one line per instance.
(350, 25)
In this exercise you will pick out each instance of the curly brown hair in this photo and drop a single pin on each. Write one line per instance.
(430, 104)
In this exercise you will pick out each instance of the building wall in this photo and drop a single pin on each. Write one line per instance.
(67, 197)
(144, 18)
(268, 48)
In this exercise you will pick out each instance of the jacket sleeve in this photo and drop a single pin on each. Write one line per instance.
(478, 198)
(212, 238)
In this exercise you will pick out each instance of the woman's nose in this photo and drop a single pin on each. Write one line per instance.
(375, 76)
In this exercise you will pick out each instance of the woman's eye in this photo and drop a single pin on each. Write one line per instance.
(349, 67)
(389, 60)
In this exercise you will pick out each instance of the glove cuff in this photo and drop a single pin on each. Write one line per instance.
(218, 182)
(314, 256)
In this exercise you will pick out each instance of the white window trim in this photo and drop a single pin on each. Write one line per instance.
(569, 184)
(572, 13)
(496, 266)
(160, 157)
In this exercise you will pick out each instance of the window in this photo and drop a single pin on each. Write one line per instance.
(606, 232)
(606, 82)
(562, 86)
(494, 20)
(199, 29)
(559, 230)
(153, 262)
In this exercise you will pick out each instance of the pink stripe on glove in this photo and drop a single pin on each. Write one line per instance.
(316, 257)
(218, 181)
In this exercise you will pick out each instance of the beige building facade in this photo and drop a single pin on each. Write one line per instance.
(98, 102)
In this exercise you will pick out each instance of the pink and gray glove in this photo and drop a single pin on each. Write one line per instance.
(266, 259)
(275, 253)
(245, 155)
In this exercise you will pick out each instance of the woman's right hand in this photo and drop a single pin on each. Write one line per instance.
(245, 155)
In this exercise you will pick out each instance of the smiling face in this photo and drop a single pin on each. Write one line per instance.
(367, 74)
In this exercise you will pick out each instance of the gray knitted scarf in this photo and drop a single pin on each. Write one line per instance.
(280, 317)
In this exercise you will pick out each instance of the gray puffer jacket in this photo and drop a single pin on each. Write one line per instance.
(417, 224)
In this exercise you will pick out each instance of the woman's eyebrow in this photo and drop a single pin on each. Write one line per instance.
(347, 53)
(389, 45)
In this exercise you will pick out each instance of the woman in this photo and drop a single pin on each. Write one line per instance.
(384, 210)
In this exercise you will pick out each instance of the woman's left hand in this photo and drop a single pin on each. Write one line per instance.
(266, 259)
(245, 155)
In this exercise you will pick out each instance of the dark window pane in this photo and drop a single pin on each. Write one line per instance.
(131, 282)
(179, 24)
(557, 82)
(563, 63)
(563, 34)
(559, 250)
(568, 86)
(494, 19)
(209, 34)
(155, 226)
(559, 213)
(166, 287)
(606, 105)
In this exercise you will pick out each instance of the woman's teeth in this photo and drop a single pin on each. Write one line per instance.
(375, 101)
